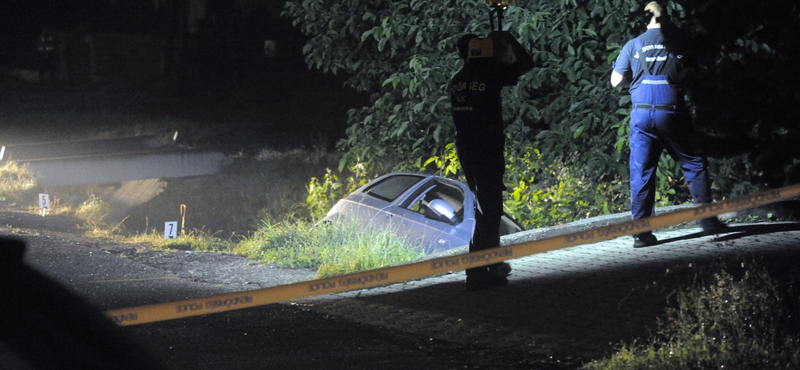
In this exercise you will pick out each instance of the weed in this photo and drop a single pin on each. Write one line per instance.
(323, 195)
(19, 231)
(15, 181)
(721, 323)
(93, 211)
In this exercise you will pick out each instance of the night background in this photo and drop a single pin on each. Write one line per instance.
(200, 60)
(233, 76)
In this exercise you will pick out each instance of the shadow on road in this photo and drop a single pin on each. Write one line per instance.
(736, 232)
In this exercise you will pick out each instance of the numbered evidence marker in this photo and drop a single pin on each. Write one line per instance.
(44, 203)
(171, 230)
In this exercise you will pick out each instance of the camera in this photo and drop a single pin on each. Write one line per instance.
(489, 48)
(481, 48)
(498, 3)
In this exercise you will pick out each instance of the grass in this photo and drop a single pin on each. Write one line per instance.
(330, 249)
(194, 240)
(721, 322)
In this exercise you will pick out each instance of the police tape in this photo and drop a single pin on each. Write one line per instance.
(399, 273)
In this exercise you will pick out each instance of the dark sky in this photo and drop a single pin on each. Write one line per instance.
(140, 16)
(25, 16)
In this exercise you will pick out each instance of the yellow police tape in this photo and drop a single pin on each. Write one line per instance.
(394, 274)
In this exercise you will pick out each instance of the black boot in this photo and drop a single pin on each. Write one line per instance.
(644, 240)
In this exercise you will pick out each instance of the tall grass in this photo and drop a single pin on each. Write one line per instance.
(332, 250)
(722, 323)
(15, 181)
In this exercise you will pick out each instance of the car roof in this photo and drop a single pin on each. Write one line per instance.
(423, 176)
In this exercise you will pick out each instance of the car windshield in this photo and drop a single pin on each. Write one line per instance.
(390, 188)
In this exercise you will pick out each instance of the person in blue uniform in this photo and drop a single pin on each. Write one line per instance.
(659, 121)
(477, 111)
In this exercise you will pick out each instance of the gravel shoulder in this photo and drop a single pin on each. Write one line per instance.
(228, 271)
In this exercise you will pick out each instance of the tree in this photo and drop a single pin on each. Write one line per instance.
(567, 127)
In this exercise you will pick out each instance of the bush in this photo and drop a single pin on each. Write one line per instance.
(722, 323)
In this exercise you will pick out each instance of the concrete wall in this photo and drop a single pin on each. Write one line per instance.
(124, 167)
(78, 148)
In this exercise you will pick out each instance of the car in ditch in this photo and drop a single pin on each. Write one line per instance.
(432, 212)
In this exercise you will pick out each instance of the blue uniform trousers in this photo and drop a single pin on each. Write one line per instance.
(652, 131)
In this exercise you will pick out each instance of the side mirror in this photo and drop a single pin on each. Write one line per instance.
(443, 209)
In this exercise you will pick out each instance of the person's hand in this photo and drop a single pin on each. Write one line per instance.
(500, 35)
(501, 38)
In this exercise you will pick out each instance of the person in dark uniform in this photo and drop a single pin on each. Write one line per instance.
(477, 108)
(659, 120)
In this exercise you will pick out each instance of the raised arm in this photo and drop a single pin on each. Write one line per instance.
(523, 62)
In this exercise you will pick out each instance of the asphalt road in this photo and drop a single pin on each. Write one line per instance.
(108, 275)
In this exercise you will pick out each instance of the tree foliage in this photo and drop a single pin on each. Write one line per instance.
(567, 128)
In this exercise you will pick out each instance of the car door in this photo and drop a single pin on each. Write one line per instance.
(411, 216)
(363, 205)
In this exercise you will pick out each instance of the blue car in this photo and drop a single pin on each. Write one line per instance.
(432, 212)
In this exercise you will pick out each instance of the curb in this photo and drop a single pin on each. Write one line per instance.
(786, 211)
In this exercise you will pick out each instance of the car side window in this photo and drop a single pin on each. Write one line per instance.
(390, 188)
(420, 202)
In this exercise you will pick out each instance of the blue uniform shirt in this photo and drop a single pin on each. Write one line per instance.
(649, 45)
(653, 70)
